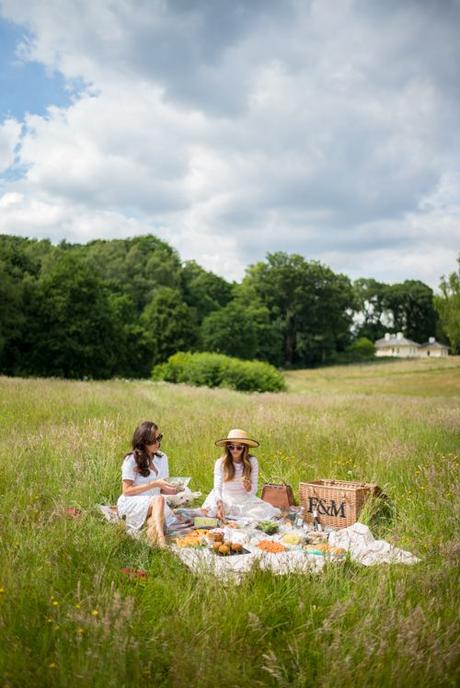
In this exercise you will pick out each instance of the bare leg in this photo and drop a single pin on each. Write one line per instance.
(156, 522)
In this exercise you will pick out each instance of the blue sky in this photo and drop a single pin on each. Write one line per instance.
(320, 127)
(26, 86)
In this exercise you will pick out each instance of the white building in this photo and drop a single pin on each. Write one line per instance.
(398, 346)
(433, 348)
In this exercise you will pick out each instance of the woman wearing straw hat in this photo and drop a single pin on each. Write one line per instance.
(235, 480)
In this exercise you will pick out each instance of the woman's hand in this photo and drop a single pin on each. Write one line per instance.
(220, 510)
(165, 487)
(246, 483)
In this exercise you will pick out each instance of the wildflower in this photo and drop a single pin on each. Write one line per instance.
(77, 606)
(52, 665)
(55, 603)
(49, 620)
(95, 612)
(2, 590)
(57, 627)
(80, 630)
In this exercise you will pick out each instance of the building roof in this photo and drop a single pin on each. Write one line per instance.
(395, 341)
(435, 345)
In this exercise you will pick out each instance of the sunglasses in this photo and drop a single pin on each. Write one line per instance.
(157, 439)
(235, 447)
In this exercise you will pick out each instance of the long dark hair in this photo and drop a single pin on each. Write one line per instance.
(229, 466)
(144, 434)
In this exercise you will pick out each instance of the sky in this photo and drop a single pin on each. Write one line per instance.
(328, 128)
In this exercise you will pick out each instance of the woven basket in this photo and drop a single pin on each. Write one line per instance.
(338, 502)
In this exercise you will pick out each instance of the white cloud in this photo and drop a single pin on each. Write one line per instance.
(328, 129)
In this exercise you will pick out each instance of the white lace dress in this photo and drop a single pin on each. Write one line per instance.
(133, 509)
(237, 500)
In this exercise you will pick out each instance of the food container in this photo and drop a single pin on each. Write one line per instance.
(215, 536)
(268, 527)
(194, 540)
(228, 549)
(337, 503)
(271, 546)
(205, 522)
(324, 550)
(179, 482)
(292, 540)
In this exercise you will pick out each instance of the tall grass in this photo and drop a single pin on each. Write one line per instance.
(69, 617)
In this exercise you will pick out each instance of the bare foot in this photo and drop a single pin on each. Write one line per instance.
(155, 523)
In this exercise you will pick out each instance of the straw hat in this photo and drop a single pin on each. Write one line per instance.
(237, 435)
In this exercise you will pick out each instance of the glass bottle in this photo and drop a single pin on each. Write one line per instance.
(316, 523)
(300, 520)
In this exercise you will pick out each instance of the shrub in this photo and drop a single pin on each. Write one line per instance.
(218, 370)
(363, 347)
(360, 351)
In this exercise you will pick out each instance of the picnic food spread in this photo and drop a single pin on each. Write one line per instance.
(289, 542)
(266, 537)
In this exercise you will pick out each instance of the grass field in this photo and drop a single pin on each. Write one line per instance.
(68, 617)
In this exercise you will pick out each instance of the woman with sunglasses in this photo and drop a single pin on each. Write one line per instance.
(144, 478)
(236, 474)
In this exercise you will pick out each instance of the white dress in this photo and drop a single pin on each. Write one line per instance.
(133, 508)
(237, 500)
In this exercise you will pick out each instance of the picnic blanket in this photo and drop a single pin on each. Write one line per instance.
(365, 549)
(204, 562)
(357, 540)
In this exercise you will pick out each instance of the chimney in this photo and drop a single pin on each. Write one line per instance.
(387, 336)
(399, 335)
(431, 340)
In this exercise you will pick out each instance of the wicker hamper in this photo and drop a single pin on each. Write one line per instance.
(337, 502)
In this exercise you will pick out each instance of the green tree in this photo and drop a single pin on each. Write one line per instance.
(312, 305)
(447, 304)
(202, 290)
(372, 319)
(136, 267)
(20, 265)
(11, 318)
(71, 332)
(22, 257)
(268, 330)
(411, 305)
(230, 330)
(169, 325)
(134, 344)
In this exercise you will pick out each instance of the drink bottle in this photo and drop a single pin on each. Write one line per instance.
(300, 520)
(316, 523)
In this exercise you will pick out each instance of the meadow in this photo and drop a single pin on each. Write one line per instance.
(68, 615)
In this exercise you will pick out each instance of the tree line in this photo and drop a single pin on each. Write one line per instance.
(117, 307)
